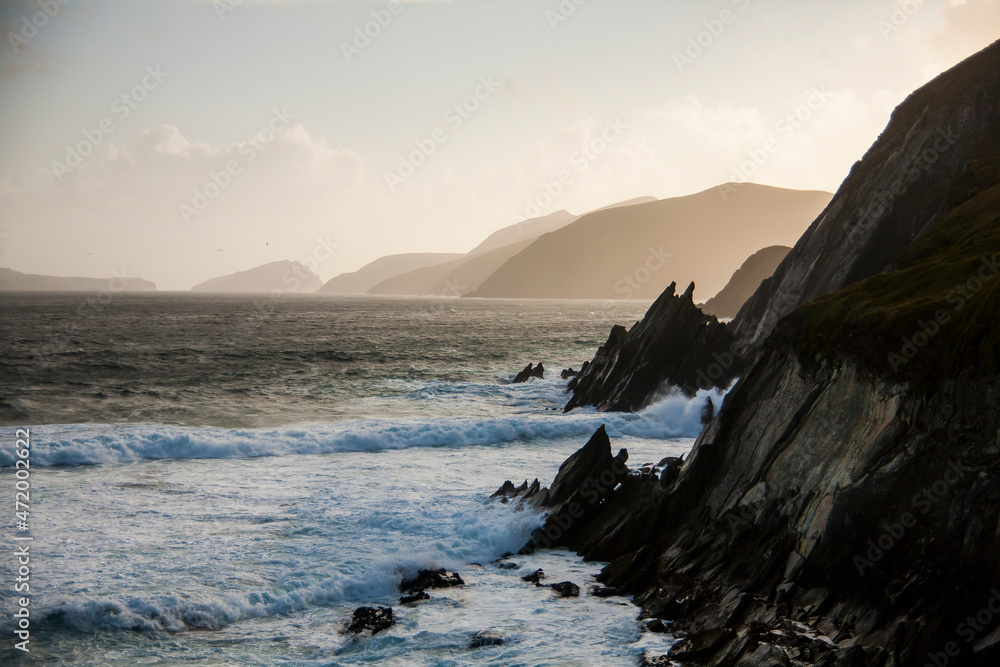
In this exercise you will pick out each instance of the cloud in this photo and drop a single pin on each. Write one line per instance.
(125, 205)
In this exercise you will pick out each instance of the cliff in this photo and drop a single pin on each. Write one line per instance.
(843, 507)
(891, 196)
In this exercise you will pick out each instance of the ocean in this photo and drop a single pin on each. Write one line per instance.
(222, 480)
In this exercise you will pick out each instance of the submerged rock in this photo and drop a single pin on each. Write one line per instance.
(486, 638)
(530, 371)
(566, 589)
(416, 597)
(534, 578)
(370, 619)
(426, 579)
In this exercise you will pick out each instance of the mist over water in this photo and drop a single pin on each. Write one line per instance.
(205, 493)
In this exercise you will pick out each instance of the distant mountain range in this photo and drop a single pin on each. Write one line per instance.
(11, 281)
(629, 250)
(383, 268)
(283, 276)
(634, 252)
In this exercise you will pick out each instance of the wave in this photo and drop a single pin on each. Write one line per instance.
(482, 534)
(672, 415)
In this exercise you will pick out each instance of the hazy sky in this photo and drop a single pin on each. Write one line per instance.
(115, 112)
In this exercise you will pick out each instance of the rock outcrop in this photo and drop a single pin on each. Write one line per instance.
(370, 620)
(530, 371)
(429, 579)
(675, 345)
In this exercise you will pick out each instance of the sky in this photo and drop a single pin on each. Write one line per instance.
(180, 140)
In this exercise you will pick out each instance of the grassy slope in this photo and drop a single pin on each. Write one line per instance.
(869, 320)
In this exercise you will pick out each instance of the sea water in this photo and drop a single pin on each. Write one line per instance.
(223, 480)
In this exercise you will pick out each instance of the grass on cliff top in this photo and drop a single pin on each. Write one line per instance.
(936, 316)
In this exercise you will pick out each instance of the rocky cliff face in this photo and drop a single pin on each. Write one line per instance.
(896, 192)
(839, 510)
(675, 345)
(824, 517)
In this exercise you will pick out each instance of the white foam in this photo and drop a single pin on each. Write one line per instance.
(672, 415)
(481, 534)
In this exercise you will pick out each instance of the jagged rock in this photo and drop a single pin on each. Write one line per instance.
(416, 597)
(675, 345)
(426, 579)
(568, 373)
(534, 578)
(485, 638)
(566, 589)
(708, 411)
(530, 371)
(370, 619)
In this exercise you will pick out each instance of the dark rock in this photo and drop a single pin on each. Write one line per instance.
(370, 619)
(486, 638)
(427, 579)
(655, 625)
(534, 578)
(675, 345)
(507, 565)
(708, 412)
(566, 589)
(604, 591)
(658, 661)
(568, 373)
(416, 597)
(529, 372)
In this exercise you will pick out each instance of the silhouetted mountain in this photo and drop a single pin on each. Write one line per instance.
(371, 274)
(282, 276)
(635, 251)
(759, 267)
(522, 231)
(11, 280)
